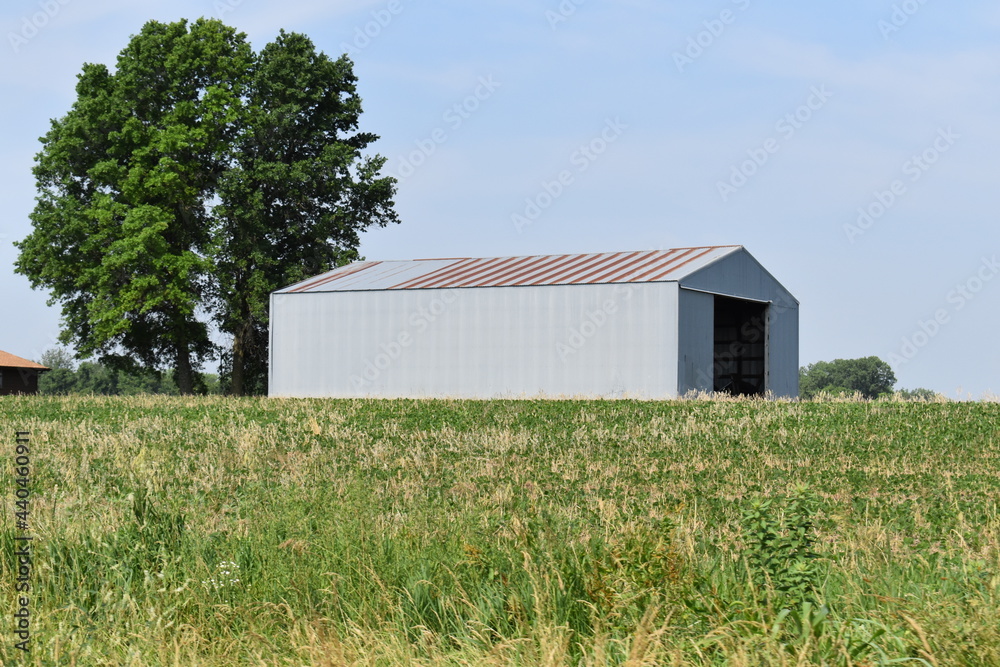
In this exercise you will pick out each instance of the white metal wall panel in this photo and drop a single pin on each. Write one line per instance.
(695, 347)
(570, 340)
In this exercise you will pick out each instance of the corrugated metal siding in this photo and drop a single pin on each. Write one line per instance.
(740, 275)
(695, 348)
(599, 341)
(588, 269)
(411, 329)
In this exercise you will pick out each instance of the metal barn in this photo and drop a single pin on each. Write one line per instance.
(649, 325)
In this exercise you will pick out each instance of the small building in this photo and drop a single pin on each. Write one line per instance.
(17, 375)
(649, 325)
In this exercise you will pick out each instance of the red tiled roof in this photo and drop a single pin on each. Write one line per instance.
(8, 360)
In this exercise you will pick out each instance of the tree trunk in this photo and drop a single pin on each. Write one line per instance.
(183, 375)
(238, 370)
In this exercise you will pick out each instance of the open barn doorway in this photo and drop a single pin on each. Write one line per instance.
(740, 351)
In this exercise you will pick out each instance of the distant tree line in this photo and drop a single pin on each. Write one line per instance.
(90, 377)
(869, 376)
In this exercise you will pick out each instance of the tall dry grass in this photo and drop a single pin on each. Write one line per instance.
(217, 531)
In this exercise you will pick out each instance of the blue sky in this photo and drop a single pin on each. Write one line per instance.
(850, 146)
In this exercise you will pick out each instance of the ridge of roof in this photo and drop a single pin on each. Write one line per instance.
(664, 265)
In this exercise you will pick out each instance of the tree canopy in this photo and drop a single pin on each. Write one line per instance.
(185, 186)
(870, 376)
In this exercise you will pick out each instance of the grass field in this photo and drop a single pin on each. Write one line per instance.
(218, 531)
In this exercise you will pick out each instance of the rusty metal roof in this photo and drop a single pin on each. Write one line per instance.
(644, 266)
(8, 360)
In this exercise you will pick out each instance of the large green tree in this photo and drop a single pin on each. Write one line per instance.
(185, 186)
(869, 375)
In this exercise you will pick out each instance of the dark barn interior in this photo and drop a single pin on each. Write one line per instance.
(740, 346)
